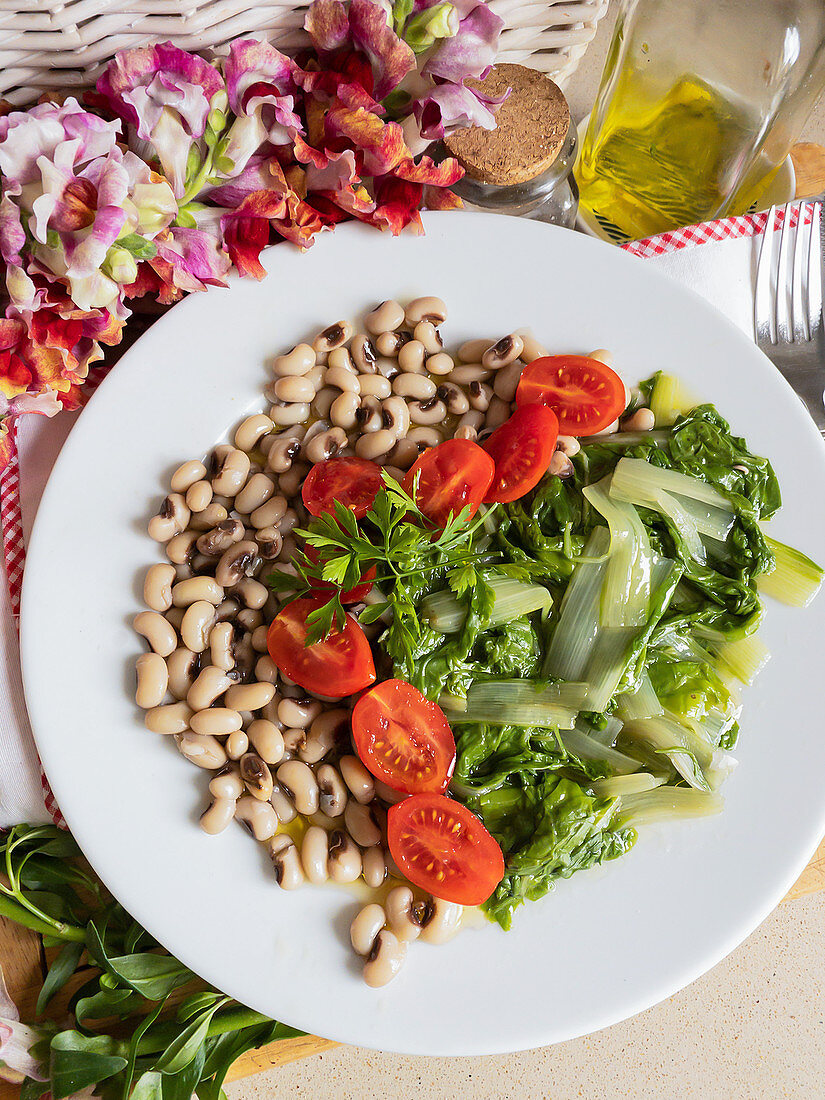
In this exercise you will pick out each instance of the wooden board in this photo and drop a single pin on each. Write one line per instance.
(21, 952)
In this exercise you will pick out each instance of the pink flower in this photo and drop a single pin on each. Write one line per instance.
(17, 1040)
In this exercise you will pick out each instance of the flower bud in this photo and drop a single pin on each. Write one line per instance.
(120, 265)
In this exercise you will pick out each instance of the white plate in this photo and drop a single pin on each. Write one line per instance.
(602, 946)
(781, 189)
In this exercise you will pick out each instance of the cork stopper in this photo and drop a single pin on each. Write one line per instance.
(532, 124)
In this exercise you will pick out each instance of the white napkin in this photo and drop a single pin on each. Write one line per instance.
(721, 271)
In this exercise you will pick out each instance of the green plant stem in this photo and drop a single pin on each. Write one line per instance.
(20, 915)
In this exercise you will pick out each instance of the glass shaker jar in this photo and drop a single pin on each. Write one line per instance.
(699, 104)
(524, 166)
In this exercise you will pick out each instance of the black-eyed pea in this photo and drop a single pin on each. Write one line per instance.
(259, 640)
(213, 515)
(196, 589)
(174, 616)
(365, 927)
(404, 453)
(344, 379)
(416, 386)
(480, 396)
(505, 382)
(268, 514)
(374, 866)
(375, 445)
(157, 631)
(257, 491)
(299, 782)
(294, 740)
(424, 436)
(239, 561)
(183, 667)
(426, 333)
(385, 317)
(363, 353)
(265, 668)
(221, 639)
(384, 961)
(503, 352)
(220, 538)
(152, 680)
(295, 363)
(286, 862)
(256, 776)
(497, 412)
(204, 752)
(218, 816)
(326, 445)
(603, 356)
(237, 745)
(285, 415)
(324, 400)
(395, 416)
(362, 823)
(390, 343)
(180, 548)
(531, 348)
(332, 798)
(440, 920)
(404, 914)
(290, 482)
(344, 411)
(199, 496)
(454, 398)
(172, 518)
(568, 445)
(411, 357)
(210, 684)
(282, 805)
(157, 586)
(251, 431)
(427, 308)
(375, 385)
(332, 337)
(253, 594)
(170, 718)
(314, 854)
(315, 376)
(187, 474)
(470, 372)
(216, 721)
(267, 741)
(560, 465)
(358, 780)
(387, 794)
(471, 351)
(226, 610)
(642, 420)
(325, 732)
(250, 697)
(341, 357)
(344, 861)
(227, 783)
(293, 389)
(282, 453)
(300, 713)
(432, 411)
(258, 817)
(270, 543)
(440, 364)
(231, 471)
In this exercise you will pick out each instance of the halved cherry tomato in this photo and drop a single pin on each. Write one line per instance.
(454, 475)
(354, 482)
(521, 449)
(338, 666)
(584, 394)
(403, 738)
(443, 848)
(327, 588)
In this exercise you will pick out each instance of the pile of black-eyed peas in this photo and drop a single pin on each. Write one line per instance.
(281, 761)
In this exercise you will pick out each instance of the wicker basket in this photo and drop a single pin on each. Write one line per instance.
(48, 45)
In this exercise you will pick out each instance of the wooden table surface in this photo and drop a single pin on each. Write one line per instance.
(21, 951)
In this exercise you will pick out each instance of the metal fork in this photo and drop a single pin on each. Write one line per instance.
(788, 325)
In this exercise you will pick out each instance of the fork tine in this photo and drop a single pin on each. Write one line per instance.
(784, 331)
(764, 325)
(800, 322)
(813, 289)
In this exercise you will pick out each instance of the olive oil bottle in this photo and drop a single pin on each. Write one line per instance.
(698, 106)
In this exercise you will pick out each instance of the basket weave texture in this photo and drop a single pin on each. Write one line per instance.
(62, 45)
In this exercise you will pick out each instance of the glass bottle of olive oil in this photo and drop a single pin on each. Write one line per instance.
(699, 103)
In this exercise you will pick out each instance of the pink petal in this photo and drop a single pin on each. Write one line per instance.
(12, 234)
(327, 25)
(391, 57)
(472, 51)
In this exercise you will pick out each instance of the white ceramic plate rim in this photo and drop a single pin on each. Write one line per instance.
(603, 946)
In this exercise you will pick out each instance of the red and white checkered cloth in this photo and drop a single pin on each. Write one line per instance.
(714, 258)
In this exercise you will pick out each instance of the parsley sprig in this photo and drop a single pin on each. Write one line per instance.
(395, 538)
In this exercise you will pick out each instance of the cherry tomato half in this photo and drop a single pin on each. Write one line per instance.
(327, 588)
(443, 848)
(352, 481)
(521, 449)
(403, 738)
(454, 475)
(584, 394)
(338, 666)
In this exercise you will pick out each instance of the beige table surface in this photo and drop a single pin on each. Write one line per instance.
(751, 1029)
